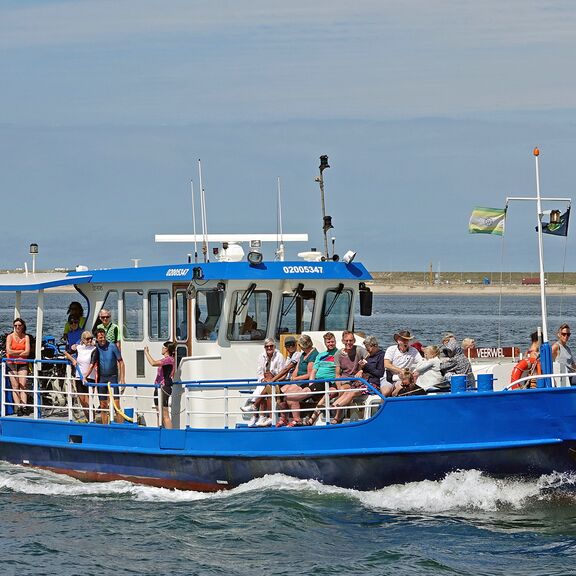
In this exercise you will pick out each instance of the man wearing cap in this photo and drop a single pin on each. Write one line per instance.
(397, 359)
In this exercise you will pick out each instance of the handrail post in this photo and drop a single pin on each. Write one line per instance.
(135, 400)
(35, 399)
(160, 412)
(2, 388)
(226, 415)
(273, 403)
(327, 401)
(90, 402)
(186, 415)
(68, 384)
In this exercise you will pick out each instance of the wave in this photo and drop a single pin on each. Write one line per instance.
(464, 490)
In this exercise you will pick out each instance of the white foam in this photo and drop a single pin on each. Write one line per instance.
(462, 490)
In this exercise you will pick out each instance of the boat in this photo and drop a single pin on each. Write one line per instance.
(219, 313)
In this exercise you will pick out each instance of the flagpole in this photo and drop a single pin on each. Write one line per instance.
(545, 349)
(541, 249)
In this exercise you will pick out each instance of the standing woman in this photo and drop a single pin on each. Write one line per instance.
(18, 346)
(562, 354)
(164, 377)
(81, 362)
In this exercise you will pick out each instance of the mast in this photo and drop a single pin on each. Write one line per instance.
(327, 220)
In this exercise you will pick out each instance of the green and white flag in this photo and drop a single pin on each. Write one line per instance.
(487, 221)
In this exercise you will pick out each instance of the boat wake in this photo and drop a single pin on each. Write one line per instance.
(458, 491)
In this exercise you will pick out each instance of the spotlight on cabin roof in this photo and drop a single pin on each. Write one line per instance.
(255, 254)
(348, 257)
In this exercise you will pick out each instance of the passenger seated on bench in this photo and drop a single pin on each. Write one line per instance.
(356, 388)
(292, 358)
(348, 359)
(428, 372)
(397, 359)
(455, 361)
(324, 369)
(405, 385)
(468, 344)
(373, 364)
(296, 393)
(270, 363)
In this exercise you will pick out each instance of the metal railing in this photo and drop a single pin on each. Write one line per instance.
(51, 393)
(217, 402)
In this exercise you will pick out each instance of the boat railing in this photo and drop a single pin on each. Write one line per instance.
(51, 393)
(557, 380)
(217, 403)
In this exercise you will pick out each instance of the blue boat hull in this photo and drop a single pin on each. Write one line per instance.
(362, 472)
(524, 433)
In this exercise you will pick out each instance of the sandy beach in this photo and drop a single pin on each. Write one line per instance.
(471, 289)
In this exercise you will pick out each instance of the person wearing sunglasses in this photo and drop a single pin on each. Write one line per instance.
(562, 354)
(112, 331)
(81, 357)
(270, 363)
(74, 309)
(18, 349)
(108, 365)
(74, 334)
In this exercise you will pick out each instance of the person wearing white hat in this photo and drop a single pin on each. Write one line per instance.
(397, 359)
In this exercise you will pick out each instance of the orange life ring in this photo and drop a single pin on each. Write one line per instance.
(522, 369)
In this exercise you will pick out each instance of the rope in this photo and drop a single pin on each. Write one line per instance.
(116, 406)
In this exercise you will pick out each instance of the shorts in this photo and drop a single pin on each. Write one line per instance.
(103, 388)
(166, 393)
(81, 388)
(321, 386)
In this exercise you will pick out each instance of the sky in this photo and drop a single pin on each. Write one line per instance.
(426, 109)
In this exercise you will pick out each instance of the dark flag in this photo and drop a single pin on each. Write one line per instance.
(559, 228)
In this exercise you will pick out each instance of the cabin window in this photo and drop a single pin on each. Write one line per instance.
(158, 315)
(250, 313)
(296, 312)
(133, 328)
(336, 309)
(181, 303)
(207, 313)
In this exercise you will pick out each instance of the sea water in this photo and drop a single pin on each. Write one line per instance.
(465, 524)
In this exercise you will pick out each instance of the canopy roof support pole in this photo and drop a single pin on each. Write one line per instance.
(39, 322)
(18, 305)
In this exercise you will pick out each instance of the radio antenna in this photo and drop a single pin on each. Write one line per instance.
(203, 214)
(280, 248)
(194, 222)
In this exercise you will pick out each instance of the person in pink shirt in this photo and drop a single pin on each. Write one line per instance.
(164, 377)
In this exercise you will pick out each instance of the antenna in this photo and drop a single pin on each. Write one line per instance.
(203, 214)
(194, 222)
(280, 249)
